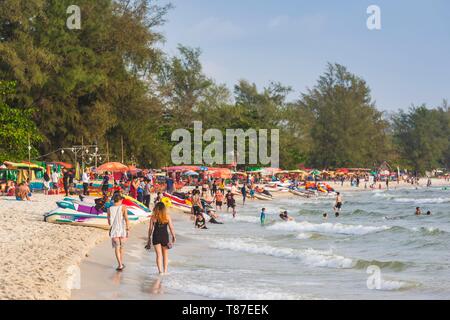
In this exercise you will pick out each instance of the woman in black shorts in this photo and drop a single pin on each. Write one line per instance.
(158, 236)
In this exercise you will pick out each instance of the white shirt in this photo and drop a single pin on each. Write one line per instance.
(85, 178)
(55, 177)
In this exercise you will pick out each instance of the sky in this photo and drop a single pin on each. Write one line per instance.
(291, 41)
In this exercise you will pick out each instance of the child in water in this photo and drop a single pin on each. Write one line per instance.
(200, 222)
(262, 216)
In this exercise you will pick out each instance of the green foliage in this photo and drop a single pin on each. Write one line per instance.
(422, 136)
(110, 81)
(16, 127)
(347, 129)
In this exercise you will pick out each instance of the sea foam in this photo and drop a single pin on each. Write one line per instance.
(336, 228)
(309, 257)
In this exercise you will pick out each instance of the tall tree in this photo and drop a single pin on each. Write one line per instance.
(347, 129)
(91, 83)
(422, 137)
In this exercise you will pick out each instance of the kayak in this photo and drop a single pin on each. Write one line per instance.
(177, 200)
(73, 217)
(130, 201)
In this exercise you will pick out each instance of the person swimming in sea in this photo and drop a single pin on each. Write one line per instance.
(418, 211)
(200, 222)
(325, 216)
(285, 217)
(262, 216)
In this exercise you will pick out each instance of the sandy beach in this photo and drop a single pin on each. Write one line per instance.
(38, 258)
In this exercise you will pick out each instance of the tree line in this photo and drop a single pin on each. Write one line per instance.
(112, 81)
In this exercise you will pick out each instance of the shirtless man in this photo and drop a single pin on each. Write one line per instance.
(338, 205)
(23, 192)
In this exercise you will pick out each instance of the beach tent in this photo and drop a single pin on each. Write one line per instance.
(220, 173)
(133, 169)
(22, 171)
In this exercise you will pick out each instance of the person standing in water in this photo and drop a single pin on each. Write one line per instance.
(219, 200)
(262, 216)
(119, 228)
(244, 193)
(338, 205)
(158, 235)
(231, 203)
(197, 207)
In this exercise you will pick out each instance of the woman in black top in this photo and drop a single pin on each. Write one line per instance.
(158, 236)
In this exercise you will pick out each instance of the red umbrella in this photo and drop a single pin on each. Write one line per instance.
(112, 167)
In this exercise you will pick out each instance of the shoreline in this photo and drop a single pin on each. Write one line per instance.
(100, 281)
(39, 258)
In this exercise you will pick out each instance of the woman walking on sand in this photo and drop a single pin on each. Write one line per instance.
(158, 235)
(118, 221)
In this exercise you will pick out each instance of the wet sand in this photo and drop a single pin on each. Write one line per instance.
(139, 280)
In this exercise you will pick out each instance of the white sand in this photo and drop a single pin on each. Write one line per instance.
(36, 257)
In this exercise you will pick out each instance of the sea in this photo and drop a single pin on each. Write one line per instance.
(376, 249)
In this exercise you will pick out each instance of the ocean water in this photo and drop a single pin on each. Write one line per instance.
(313, 258)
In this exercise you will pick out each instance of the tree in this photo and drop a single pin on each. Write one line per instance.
(421, 136)
(16, 127)
(91, 83)
(347, 129)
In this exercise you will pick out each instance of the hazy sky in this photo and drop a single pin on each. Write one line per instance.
(407, 61)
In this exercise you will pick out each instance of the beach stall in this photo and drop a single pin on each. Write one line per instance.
(24, 171)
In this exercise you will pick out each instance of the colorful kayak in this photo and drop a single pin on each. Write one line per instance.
(73, 217)
(178, 203)
(133, 202)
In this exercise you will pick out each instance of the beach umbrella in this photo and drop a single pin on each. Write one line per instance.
(315, 172)
(112, 167)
